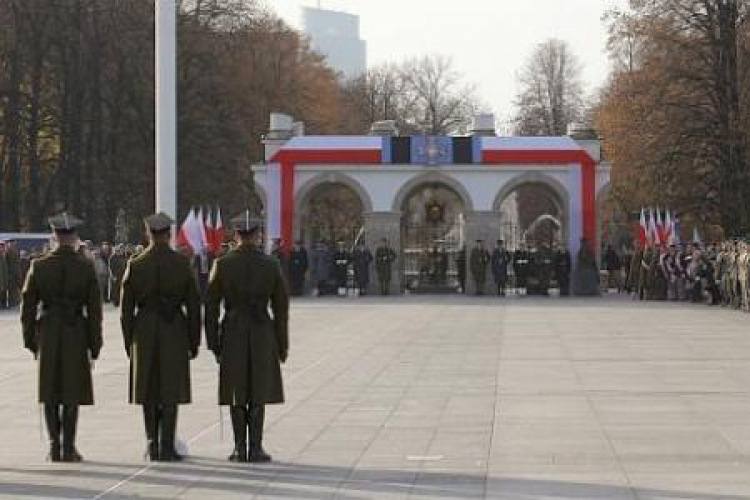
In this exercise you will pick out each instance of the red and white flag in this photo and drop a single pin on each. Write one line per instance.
(660, 227)
(218, 236)
(209, 230)
(643, 228)
(668, 228)
(653, 230)
(182, 239)
(200, 229)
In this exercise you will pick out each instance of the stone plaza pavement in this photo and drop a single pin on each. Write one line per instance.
(433, 397)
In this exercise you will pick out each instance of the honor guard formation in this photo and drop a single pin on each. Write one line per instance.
(246, 324)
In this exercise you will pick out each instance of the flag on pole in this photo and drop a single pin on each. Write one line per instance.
(660, 227)
(182, 237)
(652, 229)
(218, 232)
(668, 236)
(643, 228)
(209, 229)
(200, 229)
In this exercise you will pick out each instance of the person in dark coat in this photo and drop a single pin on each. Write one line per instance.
(321, 266)
(341, 259)
(249, 344)
(161, 321)
(562, 264)
(118, 262)
(478, 261)
(66, 337)
(461, 268)
(586, 273)
(521, 262)
(282, 255)
(612, 264)
(298, 265)
(500, 259)
(361, 259)
(384, 259)
(15, 273)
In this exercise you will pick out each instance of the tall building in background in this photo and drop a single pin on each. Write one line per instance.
(335, 35)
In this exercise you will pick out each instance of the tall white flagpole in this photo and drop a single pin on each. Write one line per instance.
(166, 107)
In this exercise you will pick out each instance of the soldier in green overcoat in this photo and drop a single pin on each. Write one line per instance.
(635, 270)
(161, 323)
(249, 343)
(479, 259)
(66, 337)
(384, 259)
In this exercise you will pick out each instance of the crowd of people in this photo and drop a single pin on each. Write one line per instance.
(716, 274)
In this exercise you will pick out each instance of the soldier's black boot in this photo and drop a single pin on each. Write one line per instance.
(52, 419)
(255, 417)
(239, 427)
(151, 422)
(69, 425)
(168, 426)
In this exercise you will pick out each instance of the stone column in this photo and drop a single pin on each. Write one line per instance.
(481, 225)
(379, 225)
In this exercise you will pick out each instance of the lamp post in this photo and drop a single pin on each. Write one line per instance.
(166, 107)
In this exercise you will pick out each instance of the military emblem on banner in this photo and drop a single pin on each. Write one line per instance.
(431, 150)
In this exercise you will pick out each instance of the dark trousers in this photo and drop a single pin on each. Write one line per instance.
(247, 426)
(160, 422)
(62, 423)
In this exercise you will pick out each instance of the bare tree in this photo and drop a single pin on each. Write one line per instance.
(441, 103)
(551, 93)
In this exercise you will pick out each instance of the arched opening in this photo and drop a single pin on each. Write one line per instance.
(432, 236)
(331, 212)
(533, 213)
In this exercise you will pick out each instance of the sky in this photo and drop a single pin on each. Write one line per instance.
(488, 40)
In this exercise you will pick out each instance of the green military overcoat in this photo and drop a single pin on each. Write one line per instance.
(249, 340)
(479, 259)
(68, 332)
(384, 259)
(161, 323)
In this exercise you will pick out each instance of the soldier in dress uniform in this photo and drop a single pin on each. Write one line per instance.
(500, 259)
(66, 337)
(384, 259)
(161, 322)
(298, 265)
(521, 260)
(361, 260)
(118, 262)
(479, 259)
(644, 282)
(249, 344)
(634, 270)
(544, 261)
(562, 263)
(341, 260)
(461, 268)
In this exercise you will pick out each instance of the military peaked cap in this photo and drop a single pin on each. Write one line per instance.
(246, 223)
(158, 222)
(64, 223)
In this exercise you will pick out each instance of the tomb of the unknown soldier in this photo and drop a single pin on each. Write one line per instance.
(356, 250)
